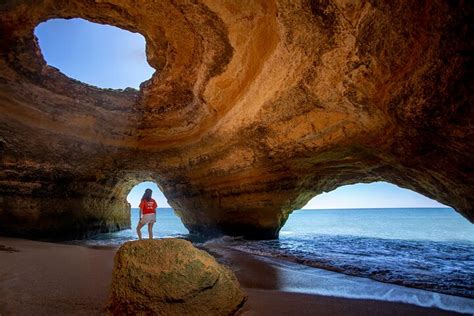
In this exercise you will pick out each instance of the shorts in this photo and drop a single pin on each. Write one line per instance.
(148, 218)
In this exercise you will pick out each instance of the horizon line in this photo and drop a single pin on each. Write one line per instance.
(353, 208)
(365, 208)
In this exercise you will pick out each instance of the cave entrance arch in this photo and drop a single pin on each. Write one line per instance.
(168, 224)
(377, 209)
(101, 55)
(387, 234)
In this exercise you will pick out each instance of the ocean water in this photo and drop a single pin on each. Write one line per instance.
(431, 249)
(425, 248)
(168, 224)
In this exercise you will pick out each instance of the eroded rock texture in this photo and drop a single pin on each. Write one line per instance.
(255, 107)
(171, 277)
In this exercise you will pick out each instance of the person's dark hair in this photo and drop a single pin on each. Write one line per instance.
(147, 195)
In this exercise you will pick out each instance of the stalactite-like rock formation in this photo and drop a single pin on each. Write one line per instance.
(254, 108)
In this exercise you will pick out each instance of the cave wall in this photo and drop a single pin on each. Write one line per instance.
(254, 108)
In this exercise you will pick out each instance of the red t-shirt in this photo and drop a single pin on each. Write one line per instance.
(148, 207)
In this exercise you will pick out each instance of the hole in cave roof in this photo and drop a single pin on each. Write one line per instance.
(104, 56)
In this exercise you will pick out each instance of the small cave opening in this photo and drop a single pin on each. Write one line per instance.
(100, 55)
(168, 224)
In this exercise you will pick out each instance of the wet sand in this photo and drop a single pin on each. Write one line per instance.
(39, 278)
(285, 289)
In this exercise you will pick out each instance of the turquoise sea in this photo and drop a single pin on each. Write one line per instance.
(426, 248)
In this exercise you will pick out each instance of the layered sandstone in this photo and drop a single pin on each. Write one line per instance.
(254, 108)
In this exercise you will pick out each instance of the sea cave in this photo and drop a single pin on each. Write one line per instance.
(246, 112)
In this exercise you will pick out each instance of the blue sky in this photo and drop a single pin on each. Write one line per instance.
(101, 55)
(109, 57)
(376, 194)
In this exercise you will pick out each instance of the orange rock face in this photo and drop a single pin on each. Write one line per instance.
(254, 108)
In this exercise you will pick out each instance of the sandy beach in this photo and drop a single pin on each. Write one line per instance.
(50, 279)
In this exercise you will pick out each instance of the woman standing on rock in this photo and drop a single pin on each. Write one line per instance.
(147, 214)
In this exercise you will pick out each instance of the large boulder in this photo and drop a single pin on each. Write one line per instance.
(171, 277)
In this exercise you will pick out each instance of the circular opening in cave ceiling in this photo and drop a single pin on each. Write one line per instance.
(104, 56)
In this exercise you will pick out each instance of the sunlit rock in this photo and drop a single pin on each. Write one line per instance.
(252, 111)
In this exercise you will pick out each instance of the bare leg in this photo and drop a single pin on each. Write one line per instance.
(139, 230)
(150, 230)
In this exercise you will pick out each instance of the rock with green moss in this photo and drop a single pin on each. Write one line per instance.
(171, 277)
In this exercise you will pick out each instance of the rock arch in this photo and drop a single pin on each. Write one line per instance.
(252, 110)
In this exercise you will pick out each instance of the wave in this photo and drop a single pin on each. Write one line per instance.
(444, 267)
